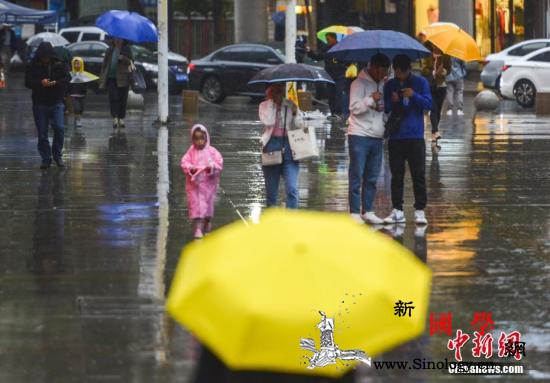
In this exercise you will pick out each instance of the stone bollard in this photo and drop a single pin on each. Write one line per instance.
(190, 102)
(305, 100)
(542, 103)
(486, 100)
(135, 101)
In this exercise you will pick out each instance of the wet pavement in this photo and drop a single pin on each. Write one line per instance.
(87, 253)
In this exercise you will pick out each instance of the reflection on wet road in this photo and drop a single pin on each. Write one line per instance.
(88, 253)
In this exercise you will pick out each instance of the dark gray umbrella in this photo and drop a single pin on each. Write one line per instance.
(290, 73)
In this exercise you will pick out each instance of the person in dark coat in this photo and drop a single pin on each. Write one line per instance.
(48, 78)
(115, 71)
(337, 71)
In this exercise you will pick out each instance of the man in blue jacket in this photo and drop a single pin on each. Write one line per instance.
(409, 95)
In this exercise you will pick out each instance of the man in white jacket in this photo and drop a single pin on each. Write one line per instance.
(366, 138)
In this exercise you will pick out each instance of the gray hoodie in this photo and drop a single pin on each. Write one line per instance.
(364, 120)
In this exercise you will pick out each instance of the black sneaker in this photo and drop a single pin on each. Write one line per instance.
(45, 165)
(59, 162)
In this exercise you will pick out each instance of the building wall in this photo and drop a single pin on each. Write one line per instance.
(250, 20)
(458, 12)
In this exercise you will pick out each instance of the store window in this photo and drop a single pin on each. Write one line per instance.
(499, 24)
(427, 12)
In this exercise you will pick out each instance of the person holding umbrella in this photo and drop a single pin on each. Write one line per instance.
(278, 114)
(366, 138)
(337, 71)
(48, 79)
(115, 71)
(409, 96)
(436, 68)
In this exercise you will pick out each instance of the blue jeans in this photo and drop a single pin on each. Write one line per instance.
(365, 161)
(45, 115)
(288, 170)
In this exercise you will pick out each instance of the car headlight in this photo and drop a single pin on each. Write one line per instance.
(150, 67)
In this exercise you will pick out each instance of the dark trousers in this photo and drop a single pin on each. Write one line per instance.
(78, 104)
(336, 96)
(45, 115)
(413, 152)
(117, 99)
(438, 97)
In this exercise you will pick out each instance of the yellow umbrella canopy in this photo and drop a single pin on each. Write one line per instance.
(340, 31)
(453, 41)
(251, 293)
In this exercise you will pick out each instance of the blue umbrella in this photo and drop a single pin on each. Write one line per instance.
(128, 26)
(361, 46)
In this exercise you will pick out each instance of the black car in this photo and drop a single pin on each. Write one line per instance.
(227, 71)
(93, 52)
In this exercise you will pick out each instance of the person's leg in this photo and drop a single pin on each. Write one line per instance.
(451, 88)
(113, 97)
(123, 99)
(340, 89)
(357, 158)
(459, 101)
(291, 169)
(272, 175)
(372, 171)
(207, 225)
(397, 168)
(417, 165)
(58, 126)
(345, 98)
(41, 121)
(331, 90)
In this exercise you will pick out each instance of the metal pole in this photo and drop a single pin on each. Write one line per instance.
(162, 85)
(290, 31)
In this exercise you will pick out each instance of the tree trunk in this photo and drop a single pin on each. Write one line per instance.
(218, 13)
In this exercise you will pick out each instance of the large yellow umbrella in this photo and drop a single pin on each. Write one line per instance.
(340, 31)
(250, 293)
(453, 41)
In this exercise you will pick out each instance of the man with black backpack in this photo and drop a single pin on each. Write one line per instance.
(409, 96)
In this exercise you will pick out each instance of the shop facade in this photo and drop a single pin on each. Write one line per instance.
(495, 24)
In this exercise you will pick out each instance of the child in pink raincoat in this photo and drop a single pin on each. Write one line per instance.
(202, 165)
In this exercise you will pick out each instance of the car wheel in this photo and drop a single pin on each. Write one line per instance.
(525, 93)
(212, 90)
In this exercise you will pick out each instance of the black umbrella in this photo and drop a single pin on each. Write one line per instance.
(290, 73)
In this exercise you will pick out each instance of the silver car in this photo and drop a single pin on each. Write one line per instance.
(490, 75)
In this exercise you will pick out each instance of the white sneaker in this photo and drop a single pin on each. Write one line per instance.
(372, 218)
(115, 123)
(357, 218)
(420, 217)
(396, 216)
(450, 112)
(121, 123)
(460, 113)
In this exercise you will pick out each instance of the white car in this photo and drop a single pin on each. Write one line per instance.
(490, 75)
(523, 79)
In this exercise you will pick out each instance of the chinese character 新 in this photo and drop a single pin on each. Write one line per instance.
(441, 323)
(483, 345)
(401, 308)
